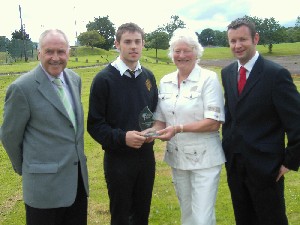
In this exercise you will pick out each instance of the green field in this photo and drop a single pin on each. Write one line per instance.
(164, 209)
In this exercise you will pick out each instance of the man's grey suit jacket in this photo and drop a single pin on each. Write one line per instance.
(40, 139)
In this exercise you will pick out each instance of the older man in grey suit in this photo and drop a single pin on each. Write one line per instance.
(42, 133)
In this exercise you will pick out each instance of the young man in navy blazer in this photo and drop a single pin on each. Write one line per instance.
(118, 95)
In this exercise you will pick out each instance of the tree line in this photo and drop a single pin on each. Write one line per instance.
(101, 32)
(270, 31)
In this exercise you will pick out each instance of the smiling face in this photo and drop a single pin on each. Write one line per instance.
(241, 43)
(184, 56)
(54, 53)
(130, 47)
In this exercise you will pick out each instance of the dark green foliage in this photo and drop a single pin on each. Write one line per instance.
(106, 29)
(207, 37)
(91, 38)
(3, 43)
(20, 35)
(269, 30)
(173, 25)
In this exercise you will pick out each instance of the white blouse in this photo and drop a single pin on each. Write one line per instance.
(200, 96)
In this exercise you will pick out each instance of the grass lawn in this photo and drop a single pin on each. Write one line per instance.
(164, 209)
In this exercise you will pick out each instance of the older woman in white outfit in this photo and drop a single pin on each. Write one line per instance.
(189, 114)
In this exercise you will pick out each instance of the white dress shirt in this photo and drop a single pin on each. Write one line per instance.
(122, 67)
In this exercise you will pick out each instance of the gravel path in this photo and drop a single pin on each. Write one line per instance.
(292, 63)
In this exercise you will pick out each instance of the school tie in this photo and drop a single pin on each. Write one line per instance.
(242, 80)
(132, 73)
(63, 96)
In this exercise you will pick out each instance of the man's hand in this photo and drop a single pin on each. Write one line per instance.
(134, 139)
(283, 170)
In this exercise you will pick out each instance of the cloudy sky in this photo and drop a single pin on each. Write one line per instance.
(39, 15)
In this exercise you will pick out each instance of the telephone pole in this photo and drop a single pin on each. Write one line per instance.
(23, 34)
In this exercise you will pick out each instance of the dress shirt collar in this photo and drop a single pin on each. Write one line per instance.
(249, 65)
(193, 76)
(51, 78)
(122, 67)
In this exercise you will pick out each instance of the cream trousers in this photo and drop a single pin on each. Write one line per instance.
(197, 191)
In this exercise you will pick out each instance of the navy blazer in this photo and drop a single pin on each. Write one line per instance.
(256, 121)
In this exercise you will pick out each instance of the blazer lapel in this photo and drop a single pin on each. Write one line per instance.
(47, 90)
(233, 76)
(254, 76)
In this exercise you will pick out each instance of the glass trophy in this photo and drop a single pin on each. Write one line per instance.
(146, 121)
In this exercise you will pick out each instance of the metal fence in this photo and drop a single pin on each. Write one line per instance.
(17, 50)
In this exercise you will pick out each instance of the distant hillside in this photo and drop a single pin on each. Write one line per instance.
(85, 51)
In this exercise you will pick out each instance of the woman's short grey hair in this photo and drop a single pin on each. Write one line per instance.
(46, 32)
(187, 36)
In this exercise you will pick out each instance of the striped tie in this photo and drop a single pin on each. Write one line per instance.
(132, 73)
(63, 96)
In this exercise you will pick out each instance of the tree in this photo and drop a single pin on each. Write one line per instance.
(105, 28)
(270, 32)
(207, 37)
(297, 30)
(3, 43)
(158, 40)
(20, 35)
(297, 24)
(221, 38)
(91, 38)
(290, 35)
(174, 24)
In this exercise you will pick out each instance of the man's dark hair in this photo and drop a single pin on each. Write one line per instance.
(129, 27)
(243, 22)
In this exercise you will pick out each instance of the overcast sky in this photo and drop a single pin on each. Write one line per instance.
(198, 15)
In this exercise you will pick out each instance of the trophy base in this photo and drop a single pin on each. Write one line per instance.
(151, 134)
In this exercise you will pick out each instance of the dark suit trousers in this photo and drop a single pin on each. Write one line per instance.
(130, 182)
(76, 214)
(254, 202)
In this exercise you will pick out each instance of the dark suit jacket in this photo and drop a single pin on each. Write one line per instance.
(257, 120)
(40, 139)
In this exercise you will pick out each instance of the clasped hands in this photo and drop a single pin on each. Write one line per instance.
(136, 139)
(164, 134)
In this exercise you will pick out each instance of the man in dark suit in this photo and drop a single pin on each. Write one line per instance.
(256, 121)
(43, 137)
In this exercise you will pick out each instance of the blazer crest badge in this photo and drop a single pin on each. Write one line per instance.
(148, 84)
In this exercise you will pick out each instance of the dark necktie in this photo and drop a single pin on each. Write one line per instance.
(242, 80)
(132, 73)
